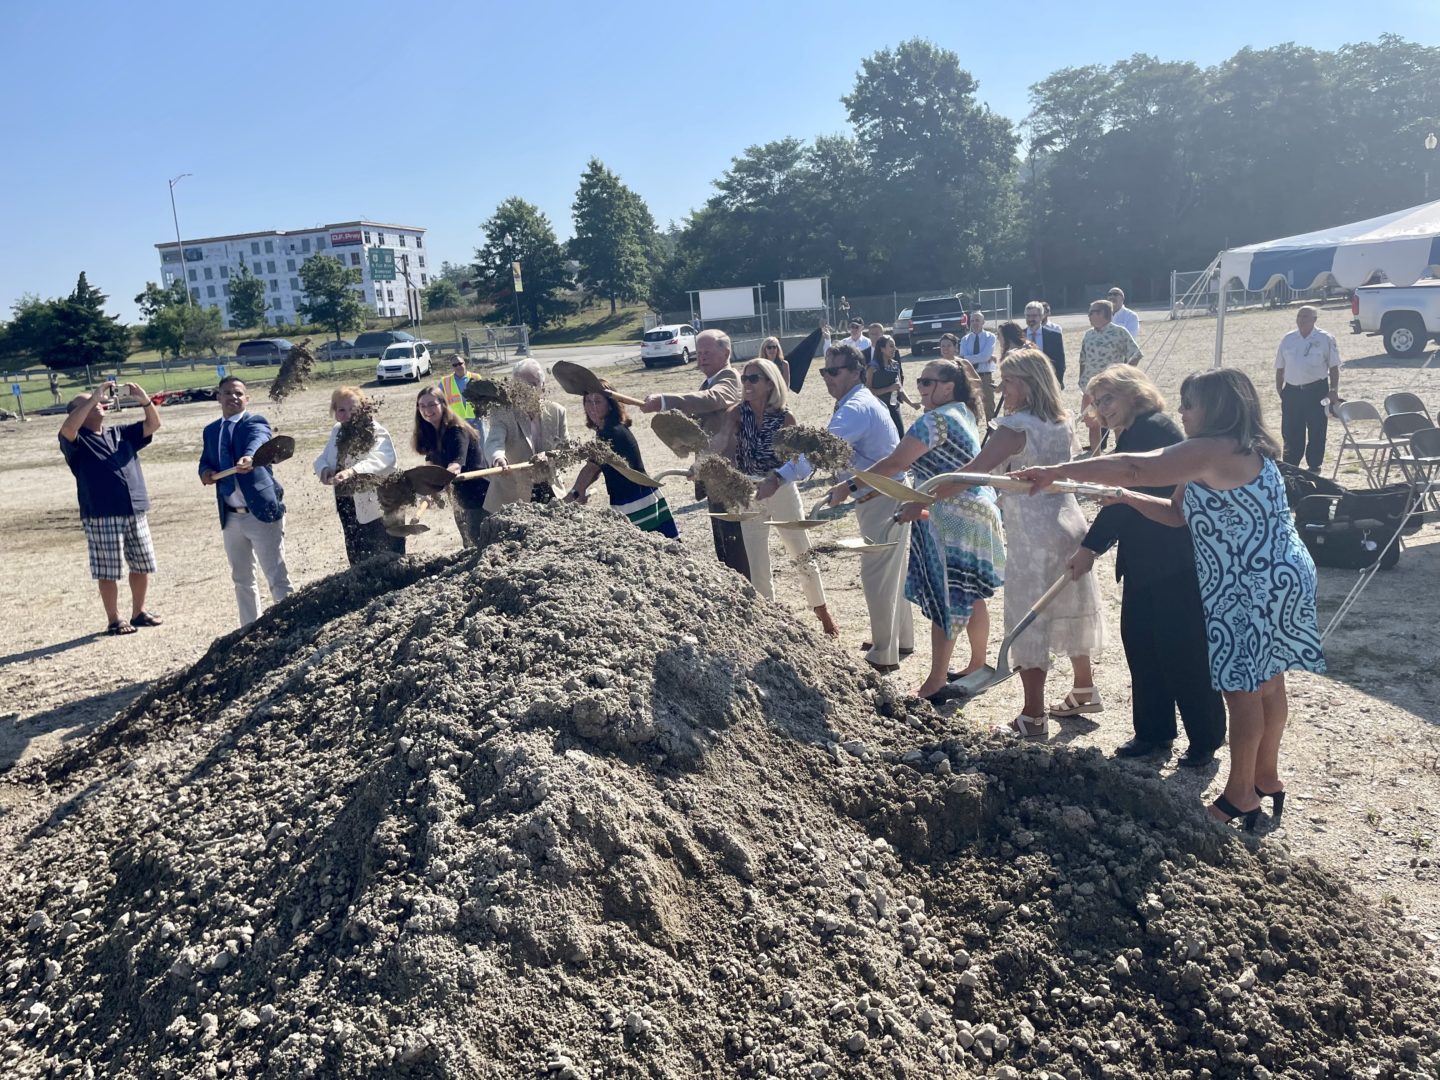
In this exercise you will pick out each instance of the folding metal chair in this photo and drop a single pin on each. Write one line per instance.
(1364, 436)
(1402, 402)
(1398, 428)
(1421, 467)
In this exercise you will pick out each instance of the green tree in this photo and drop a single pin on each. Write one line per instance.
(247, 299)
(330, 299)
(155, 299)
(457, 273)
(184, 329)
(440, 294)
(614, 236)
(519, 231)
(70, 332)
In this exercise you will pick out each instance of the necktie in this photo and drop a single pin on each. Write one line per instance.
(227, 444)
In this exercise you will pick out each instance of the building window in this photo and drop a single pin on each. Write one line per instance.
(366, 234)
(224, 271)
(422, 260)
(210, 291)
(304, 244)
(380, 239)
(354, 258)
(225, 288)
(418, 242)
(269, 266)
(320, 243)
(294, 284)
(209, 274)
(290, 265)
(389, 294)
(193, 276)
(195, 295)
(423, 280)
(274, 285)
(255, 247)
(269, 247)
(402, 239)
(257, 269)
(276, 303)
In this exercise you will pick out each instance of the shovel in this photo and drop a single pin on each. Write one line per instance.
(574, 379)
(494, 470)
(893, 488)
(412, 528)
(681, 435)
(1022, 487)
(977, 682)
(271, 452)
(812, 521)
(429, 479)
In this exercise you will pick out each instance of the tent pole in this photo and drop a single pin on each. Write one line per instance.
(1220, 316)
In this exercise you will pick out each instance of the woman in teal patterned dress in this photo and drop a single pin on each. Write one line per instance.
(1257, 581)
(957, 556)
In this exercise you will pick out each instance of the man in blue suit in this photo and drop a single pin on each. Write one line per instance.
(252, 513)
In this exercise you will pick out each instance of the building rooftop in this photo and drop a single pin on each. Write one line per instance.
(294, 232)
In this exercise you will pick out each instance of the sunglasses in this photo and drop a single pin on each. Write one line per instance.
(752, 378)
(831, 372)
(769, 347)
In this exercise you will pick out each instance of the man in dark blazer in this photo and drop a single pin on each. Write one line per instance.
(1050, 342)
(252, 513)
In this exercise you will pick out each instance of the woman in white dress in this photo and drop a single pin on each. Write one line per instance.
(1041, 533)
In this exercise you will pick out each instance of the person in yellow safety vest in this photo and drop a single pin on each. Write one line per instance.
(453, 387)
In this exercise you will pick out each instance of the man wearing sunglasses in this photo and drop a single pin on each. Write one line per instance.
(862, 420)
(1307, 375)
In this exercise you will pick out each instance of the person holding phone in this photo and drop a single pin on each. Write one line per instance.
(105, 462)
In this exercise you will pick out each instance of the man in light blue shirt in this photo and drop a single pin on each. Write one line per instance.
(1122, 314)
(863, 421)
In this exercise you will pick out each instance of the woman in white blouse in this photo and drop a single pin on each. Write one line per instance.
(356, 502)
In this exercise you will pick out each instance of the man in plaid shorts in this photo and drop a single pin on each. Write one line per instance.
(113, 499)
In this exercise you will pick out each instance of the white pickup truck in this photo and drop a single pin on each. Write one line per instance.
(1405, 317)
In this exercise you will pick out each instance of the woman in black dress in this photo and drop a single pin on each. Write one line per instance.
(645, 507)
(449, 442)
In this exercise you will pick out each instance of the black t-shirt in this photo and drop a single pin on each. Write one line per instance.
(623, 490)
(460, 443)
(106, 465)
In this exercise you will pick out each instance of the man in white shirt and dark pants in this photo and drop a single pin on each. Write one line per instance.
(1307, 377)
(978, 346)
(1122, 314)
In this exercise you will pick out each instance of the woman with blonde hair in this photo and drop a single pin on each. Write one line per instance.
(770, 350)
(358, 506)
(1162, 623)
(746, 437)
(1041, 533)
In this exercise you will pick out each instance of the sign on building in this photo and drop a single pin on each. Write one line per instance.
(382, 264)
(194, 255)
(341, 239)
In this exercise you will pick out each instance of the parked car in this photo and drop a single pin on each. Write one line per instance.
(375, 342)
(407, 360)
(933, 316)
(675, 342)
(1406, 317)
(335, 350)
(260, 351)
(901, 333)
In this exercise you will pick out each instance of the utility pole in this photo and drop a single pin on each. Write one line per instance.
(1429, 149)
(179, 245)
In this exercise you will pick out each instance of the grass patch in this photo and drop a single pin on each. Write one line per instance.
(596, 327)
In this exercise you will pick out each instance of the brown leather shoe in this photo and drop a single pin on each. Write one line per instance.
(884, 669)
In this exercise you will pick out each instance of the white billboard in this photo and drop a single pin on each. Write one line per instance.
(803, 294)
(727, 303)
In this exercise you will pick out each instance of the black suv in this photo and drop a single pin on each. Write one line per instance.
(375, 342)
(260, 351)
(933, 316)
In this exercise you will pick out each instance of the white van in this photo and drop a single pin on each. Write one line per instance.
(667, 343)
(406, 360)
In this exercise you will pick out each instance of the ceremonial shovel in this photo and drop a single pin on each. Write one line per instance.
(982, 679)
(272, 452)
(574, 379)
(412, 528)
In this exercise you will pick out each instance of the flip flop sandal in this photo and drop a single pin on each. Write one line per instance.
(146, 619)
(1073, 706)
(119, 627)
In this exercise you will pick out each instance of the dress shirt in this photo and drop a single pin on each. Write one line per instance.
(1035, 335)
(1129, 320)
(863, 421)
(863, 344)
(979, 349)
(1307, 359)
(235, 498)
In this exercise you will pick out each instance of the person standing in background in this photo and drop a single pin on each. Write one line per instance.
(1307, 372)
(977, 347)
(1122, 314)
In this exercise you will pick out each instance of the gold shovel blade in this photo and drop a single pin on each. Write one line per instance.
(893, 488)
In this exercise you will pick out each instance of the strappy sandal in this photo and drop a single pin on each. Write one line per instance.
(146, 619)
(1248, 818)
(119, 627)
(1073, 706)
(1027, 727)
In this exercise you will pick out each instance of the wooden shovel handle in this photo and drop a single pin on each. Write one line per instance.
(494, 471)
(625, 399)
(224, 473)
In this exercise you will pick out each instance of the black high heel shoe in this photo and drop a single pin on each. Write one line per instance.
(1250, 818)
(1277, 802)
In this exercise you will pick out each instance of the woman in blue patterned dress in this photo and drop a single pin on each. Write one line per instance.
(1257, 581)
(957, 556)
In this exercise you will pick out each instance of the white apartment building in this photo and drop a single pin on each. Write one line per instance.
(275, 257)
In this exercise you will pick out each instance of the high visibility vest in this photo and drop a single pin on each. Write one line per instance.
(456, 398)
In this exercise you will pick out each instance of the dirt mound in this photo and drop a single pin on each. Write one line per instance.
(581, 805)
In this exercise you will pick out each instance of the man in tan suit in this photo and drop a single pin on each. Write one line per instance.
(719, 391)
(514, 437)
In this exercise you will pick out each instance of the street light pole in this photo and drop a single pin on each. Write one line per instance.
(1429, 149)
(179, 245)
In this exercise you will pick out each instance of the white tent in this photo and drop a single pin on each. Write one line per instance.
(1404, 246)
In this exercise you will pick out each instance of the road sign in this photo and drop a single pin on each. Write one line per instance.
(219, 371)
(15, 389)
(382, 264)
(515, 275)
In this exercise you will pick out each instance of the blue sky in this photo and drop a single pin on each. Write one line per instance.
(430, 113)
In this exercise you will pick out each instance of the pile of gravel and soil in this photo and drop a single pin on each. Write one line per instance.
(580, 804)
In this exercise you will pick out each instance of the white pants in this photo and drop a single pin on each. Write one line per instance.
(882, 579)
(784, 505)
(246, 540)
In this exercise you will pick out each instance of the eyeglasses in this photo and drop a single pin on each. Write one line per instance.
(831, 372)
(753, 378)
